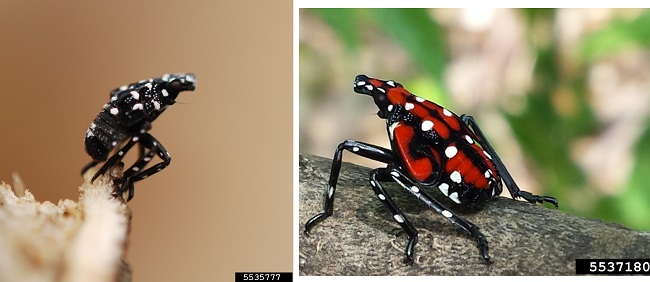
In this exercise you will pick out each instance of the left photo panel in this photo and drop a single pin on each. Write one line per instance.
(145, 141)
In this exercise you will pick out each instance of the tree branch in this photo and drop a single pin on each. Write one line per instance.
(70, 241)
(524, 239)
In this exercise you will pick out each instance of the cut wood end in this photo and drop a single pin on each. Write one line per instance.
(69, 241)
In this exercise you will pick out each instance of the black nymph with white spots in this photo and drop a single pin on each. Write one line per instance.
(432, 149)
(125, 120)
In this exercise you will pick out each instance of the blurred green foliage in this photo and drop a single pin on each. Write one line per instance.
(413, 29)
(616, 37)
(545, 134)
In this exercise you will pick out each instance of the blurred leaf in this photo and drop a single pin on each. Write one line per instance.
(619, 35)
(634, 204)
(416, 32)
(534, 14)
(607, 209)
(429, 89)
(343, 22)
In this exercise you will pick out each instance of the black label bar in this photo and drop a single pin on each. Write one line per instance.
(613, 266)
(264, 276)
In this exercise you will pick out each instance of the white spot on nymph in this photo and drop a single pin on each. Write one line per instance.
(455, 176)
(372, 182)
(398, 218)
(135, 138)
(155, 143)
(487, 155)
(382, 90)
(451, 151)
(394, 173)
(488, 173)
(93, 125)
(135, 95)
(391, 129)
(415, 189)
(120, 153)
(123, 87)
(454, 197)
(142, 131)
(391, 83)
(447, 214)
(156, 105)
(114, 98)
(427, 125)
(469, 139)
(419, 99)
(114, 111)
(390, 108)
(369, 87)
(165, 77)
(148, 85)
(190, 78)
(114, 143)
(136, 168)
(381, 197)
(361, 83)
(409, 106)
(446, 112)
(89, 133)
(164, 92)
(355, 149)
(138, 106)
(444, 188)
(146, 159)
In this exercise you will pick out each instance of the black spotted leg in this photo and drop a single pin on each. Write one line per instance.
(381, 174)
(359, 148)
(465, 225)
(114, 159)
(135, 172)
(514, 190)
(121, 153)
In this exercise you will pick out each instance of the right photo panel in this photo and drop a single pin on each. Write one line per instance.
(444, 142)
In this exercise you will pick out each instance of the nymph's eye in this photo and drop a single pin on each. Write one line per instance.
(174, 86)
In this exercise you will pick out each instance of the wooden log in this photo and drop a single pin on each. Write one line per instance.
(361, 238)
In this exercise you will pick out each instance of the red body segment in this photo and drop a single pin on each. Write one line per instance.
(420, 168)
(471, 175)
(435, 146)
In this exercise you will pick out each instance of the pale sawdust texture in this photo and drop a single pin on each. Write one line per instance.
(67, 241)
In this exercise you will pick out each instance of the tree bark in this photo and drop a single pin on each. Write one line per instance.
(70, 241)
(361, 238)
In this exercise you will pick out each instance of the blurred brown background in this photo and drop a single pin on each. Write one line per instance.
(224, 204)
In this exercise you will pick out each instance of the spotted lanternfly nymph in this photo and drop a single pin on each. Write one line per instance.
(431, 148)
(125, 120)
